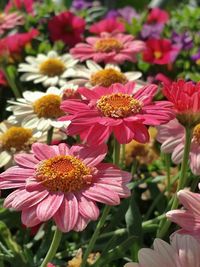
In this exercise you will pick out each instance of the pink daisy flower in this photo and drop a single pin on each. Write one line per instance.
(118, 109)
(110, 25)
(189, 218)
(63, 184)
(182, 252)
(172, 138)
(110, 48)
(9, 21)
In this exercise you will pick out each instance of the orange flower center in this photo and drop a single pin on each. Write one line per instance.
(198, 61)
(2, 16)
(52, 67)
(63, 173)
(48, 106)
(108, 45)
(17, 138)
(118, 105)
(157, 54)
(107, 77)
(196, 133)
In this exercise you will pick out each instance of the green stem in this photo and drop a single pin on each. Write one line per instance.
(49, 136)
(167, 163)
(165, 224)
(53, 248)
(11, 83)
(95, 235)
(106, 210)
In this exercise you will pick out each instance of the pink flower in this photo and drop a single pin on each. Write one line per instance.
(160, 51)
(16, 42)
(10, 21)
(117, 109)
(3, 81)
(66, 27)
(182, 252)
(157, 15)
(110, 48)
(20, 4)
(189, 218)
(163, 78)
(110, 25)
(172, 138)
(63, 184)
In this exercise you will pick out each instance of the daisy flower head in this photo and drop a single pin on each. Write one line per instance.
(63, 184)
(94, 75)
(16, 139)
(50, 69)
(117, 109)
(109, 48)
(9, 21)
(189, 217)
(185, 97)
(37, 110)
(183, 251)
(110, 25)
(172, 138)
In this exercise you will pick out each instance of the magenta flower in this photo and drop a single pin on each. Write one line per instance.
(117, 109)
(172, 138)
(108, 25)
(189, 218)
(63, 184)
(110, 48)
(182, 252)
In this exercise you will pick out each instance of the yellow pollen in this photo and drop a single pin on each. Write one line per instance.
(63, 173)
(48, 106)
(108, 45)
(157, 54)
(196, 133)
(2, 15)
(16, 138)
(52, 67)
(108, 77)
(118, 105)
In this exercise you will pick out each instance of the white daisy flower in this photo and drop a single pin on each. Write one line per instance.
(38, 110)
(50, 69)
(17, 139)
(95, 75)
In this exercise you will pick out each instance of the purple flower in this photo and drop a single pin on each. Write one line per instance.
(152, 31)
(127, 13)
(81, 4)
(183, 39)
(196, 57)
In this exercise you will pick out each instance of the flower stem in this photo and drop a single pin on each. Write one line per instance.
(11, 83)
(165, 224)
(49, 136)
(53, 248)
(106, 210)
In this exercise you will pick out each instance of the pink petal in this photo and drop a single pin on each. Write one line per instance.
(26, 160)
(48, 207)
(81, 224)
(43, 151)
(67, 215)
(29, 217)
(88, 208)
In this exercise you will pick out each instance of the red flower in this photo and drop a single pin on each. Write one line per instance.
(160, 51)
(20, 4)
(109, 25)
(16, 42)
(157, 15)
(66, 27)
(186, 99)
(163, 79)
(3, 81)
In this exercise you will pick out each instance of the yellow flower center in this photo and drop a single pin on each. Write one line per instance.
(157, 54)
(2, 15)
(196, 133)
(118, 105)
(48, 106)
(52, 67)
(63, 173)
(108, 45)
(108, 77)
(198, 61)
(17, 138)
